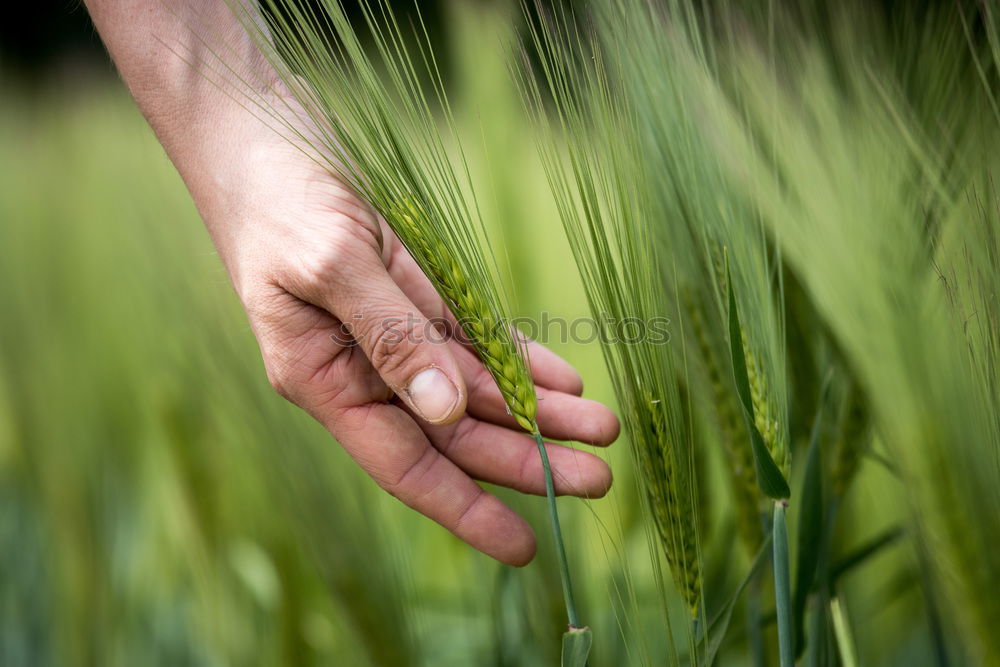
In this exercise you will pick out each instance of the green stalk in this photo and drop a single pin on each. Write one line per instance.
(550, 494)
(782, 587)
(845, 642)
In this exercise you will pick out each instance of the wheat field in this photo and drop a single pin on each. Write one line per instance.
(807, 195)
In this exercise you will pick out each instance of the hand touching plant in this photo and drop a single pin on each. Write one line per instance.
(340, 309)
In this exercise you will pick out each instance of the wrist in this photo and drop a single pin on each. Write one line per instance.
(184, 62)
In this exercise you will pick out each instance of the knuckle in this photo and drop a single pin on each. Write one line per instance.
(277, 363)
(394, 343)
(279, 380)
(320, 267)
(470, 508)
(360, 222)
(409, 485)
(283, 369)
(529, 474)
(462, 435)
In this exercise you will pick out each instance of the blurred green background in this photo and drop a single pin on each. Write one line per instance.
(159, 504)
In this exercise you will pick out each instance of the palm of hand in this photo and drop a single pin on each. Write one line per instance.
(342, 314)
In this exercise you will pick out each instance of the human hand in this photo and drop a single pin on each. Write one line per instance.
(343, 317)
(311, 263)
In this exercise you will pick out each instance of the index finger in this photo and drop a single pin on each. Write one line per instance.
(389, 446)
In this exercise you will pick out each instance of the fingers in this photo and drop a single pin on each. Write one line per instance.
(560, 416)
(389, 445)
(339, 388)
(501, 456)
(401, 344)
(552, 371)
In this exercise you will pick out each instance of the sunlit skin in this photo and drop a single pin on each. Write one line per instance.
(305, 255)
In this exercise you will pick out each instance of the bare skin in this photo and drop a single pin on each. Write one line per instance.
(305, 255)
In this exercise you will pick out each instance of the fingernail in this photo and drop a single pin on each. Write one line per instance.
(432, 394)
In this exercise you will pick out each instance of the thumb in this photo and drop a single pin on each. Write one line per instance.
(410, 354)
(406, 349)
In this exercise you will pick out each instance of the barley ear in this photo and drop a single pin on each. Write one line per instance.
(492, 339)
(770, 478)
(764, 413)
(668, 490)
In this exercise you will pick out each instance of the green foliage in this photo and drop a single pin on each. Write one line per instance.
(847, 170)
(576, 647)
(598, 186)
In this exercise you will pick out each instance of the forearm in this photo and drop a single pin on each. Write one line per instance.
(187, 63)
(166, 53)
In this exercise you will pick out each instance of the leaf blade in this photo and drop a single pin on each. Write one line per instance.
(809, 537)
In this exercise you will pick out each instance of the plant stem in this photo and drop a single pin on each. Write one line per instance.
(845, 642)
(550, 493)
(782, 588)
